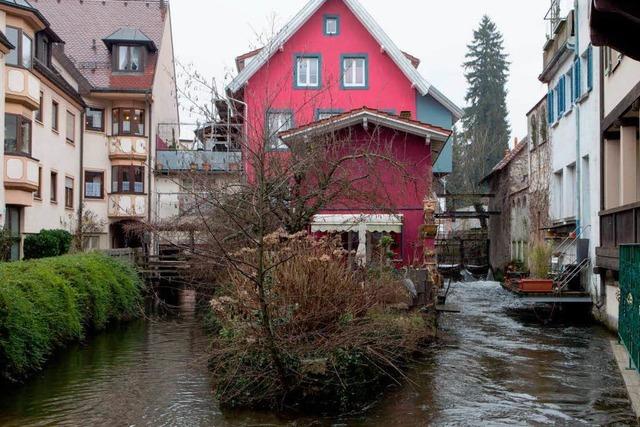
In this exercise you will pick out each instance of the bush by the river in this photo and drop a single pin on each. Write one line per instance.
(47, 243)
(341, 335)
(49, 302)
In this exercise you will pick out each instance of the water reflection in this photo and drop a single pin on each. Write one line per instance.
(494, 364)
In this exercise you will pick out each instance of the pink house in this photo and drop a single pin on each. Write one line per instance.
(333, 66)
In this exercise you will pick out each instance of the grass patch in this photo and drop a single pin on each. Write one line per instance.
(49, 302)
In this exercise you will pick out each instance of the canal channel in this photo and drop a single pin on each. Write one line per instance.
(495, 363)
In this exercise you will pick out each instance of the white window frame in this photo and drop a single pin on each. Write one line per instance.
(304, 79)
(285, 122)
(327, 29)
(350, 72)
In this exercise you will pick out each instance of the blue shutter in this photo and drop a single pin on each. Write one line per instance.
(577, 85)
(560, 95)
(569, 84)
(550, 107)
(590, 67)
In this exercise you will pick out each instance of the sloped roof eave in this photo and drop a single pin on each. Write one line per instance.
(420, 83)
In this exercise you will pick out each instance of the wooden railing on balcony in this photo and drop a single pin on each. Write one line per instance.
(618, 226)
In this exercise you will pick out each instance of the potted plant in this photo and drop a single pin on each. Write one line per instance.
(429, 231)
(539, 261)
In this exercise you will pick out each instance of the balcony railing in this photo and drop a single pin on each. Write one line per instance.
(22, 87)
(618, 226)
(196, 160)
(560, 34)
(127, 205)
(128, 147)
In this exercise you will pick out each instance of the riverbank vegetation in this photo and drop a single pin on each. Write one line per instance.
(336, 335)
(49, 302)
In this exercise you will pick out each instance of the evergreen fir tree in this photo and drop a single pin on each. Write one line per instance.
(486, 129)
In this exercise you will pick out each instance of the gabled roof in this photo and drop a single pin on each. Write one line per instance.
(437, 136)
(420, 83)
(129, 35)
(506, 159)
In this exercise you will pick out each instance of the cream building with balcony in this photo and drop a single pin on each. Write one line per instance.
(80, 116)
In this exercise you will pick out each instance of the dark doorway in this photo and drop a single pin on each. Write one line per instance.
(126, 234)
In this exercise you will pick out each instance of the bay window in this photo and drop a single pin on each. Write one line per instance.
(354, 72)
(22, 55)
(127, 179)
(17, 134)
(127, 121)
(307, 71)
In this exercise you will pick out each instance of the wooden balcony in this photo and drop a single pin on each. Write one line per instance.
(127, 205)
(22, 87)
(20, 179)
(128, 148)
(618, 226)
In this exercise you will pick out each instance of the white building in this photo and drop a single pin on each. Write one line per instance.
(570, 70)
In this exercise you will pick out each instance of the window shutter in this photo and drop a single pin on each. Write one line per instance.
(550, 107)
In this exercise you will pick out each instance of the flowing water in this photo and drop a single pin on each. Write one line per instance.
(495, 364)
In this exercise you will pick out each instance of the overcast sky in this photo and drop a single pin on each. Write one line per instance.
(211, 33)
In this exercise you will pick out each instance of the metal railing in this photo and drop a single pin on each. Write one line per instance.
(198, 160)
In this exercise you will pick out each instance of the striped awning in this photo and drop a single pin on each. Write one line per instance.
(391, 223)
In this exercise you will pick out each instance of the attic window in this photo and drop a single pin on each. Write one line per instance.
(128, 58)
(331, 26)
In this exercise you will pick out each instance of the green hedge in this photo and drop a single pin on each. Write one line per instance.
(47, 243)
(49, 302)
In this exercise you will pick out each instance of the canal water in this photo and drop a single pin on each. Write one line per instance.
(494, 364)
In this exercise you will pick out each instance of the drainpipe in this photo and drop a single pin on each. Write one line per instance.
(578, 157)
(81, 180)
(150, 161)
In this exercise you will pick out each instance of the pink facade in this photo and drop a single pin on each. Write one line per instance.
(273, 88)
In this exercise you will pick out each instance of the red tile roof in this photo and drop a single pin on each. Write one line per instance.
(507, 159)
(84, 24)
(337, 117)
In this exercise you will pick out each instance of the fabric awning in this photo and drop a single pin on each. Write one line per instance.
(390, 223)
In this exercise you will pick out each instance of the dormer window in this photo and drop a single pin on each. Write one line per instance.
(128, 48)
(129, 58)
(43, 49)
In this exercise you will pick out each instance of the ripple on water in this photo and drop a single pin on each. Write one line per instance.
(495, 364)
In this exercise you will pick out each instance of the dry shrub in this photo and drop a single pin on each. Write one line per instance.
(341, 334)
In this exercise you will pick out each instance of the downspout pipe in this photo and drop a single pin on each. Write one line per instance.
(81, 181)
(578, 184)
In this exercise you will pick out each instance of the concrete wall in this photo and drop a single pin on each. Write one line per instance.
(620, 81)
